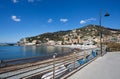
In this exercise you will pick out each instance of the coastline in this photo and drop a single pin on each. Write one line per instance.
(81, 47)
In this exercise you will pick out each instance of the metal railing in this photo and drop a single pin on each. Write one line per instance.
(73, 61)
(55, 67)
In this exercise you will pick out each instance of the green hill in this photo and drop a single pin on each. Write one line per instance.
(91, 31)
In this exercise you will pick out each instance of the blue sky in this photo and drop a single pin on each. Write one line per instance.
(25, 18)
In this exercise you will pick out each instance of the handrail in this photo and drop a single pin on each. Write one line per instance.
(45, 67)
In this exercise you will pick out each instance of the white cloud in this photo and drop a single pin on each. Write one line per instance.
(14, 18)
(50, 20)
(91, 19)
(15, 1)
(87, 20)
(63, 20)
(82, 22)
(34, 0)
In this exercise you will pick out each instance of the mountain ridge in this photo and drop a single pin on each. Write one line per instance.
(90, 31)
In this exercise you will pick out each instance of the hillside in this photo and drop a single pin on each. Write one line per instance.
(89, 32)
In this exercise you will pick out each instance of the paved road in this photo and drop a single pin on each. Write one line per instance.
(106, 67)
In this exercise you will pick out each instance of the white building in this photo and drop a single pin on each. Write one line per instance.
(51, 42)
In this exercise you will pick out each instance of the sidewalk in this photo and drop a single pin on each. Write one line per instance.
(106, 67)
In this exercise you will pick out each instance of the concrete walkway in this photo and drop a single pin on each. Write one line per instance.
(106, 67)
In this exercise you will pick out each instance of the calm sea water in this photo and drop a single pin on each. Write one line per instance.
(15, 52)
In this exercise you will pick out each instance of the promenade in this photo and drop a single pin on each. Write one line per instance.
(105, 67)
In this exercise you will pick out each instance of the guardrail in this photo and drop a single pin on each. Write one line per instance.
(55, 67)
(58, 71)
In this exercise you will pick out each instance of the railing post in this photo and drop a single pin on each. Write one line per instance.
(53, 66)
(74, 59)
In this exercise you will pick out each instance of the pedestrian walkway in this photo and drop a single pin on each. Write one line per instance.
(105, 67)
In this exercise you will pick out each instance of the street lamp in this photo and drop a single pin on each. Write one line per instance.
(100, 20)
(107, 14)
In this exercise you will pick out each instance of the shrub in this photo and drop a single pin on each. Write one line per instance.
(112, 46)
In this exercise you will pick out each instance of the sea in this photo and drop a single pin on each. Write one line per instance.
(18, 52)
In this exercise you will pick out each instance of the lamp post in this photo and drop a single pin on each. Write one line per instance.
(100, 32)
(100, 21)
